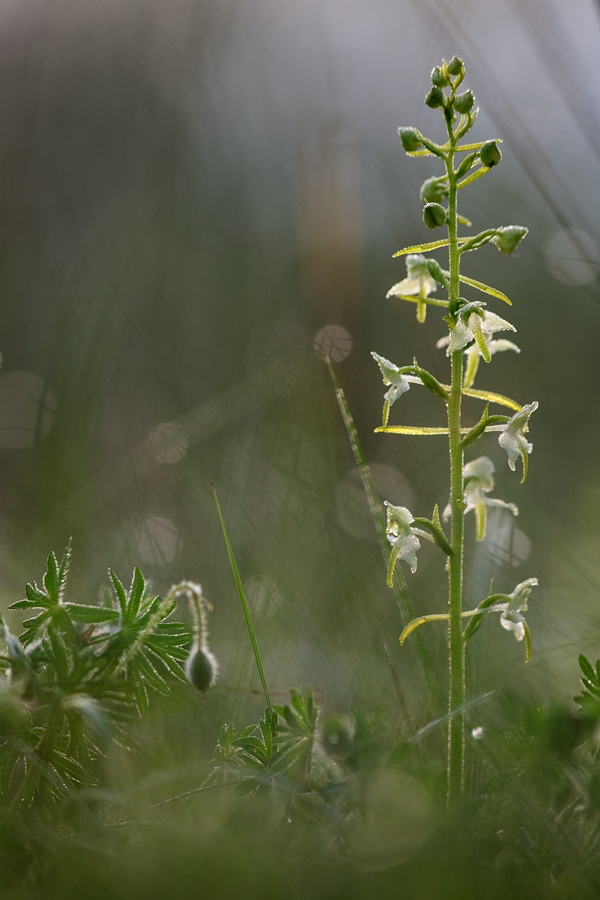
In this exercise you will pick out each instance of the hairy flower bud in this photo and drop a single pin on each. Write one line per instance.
(410, 139)
(490, 154)
(433, 190)
(464, 102)
(435, 98)
(201, 668)
(456, 66)
(508, 238)
(439, 78)
(434, 215)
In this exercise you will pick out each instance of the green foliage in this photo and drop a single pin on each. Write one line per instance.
(76, 678)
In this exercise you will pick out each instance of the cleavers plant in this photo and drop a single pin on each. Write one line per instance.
(471, 329)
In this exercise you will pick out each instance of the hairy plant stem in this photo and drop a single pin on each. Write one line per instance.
(456, 735)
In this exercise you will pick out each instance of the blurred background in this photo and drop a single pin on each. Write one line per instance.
(189, 194)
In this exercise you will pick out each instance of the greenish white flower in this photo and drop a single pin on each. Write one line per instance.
(474, 354)
(511, 617)
(419, 283)
(477, 326)
(402, 536)
(478, 482)
(395, 379)
(512, 437)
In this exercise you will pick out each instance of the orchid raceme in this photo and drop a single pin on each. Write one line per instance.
(471, 330)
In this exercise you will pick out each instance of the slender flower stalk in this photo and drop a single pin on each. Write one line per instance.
(471, 327)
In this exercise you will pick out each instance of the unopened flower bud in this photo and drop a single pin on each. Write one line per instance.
(410, 139)
(439, 78)
(464, 102)
(433, 190)
(201, 668)
(490, 154)
(507, 238)
(456, 66)
(435, 98)
(434, 215)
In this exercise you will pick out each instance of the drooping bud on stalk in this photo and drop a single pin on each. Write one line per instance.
(508, 237)
(434, 215)
(435, 98)
(201, 668)
(464, 102)
(456, 66)
(410, 139)
(490, 154)
(433, 190)
(439, 77)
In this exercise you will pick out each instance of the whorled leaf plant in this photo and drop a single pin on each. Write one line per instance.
(471, 330)
(76, 679)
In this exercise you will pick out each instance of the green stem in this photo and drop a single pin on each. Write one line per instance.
(455, 562)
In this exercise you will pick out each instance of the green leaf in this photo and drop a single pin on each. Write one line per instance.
(141, 698)
(52, 580)
(64, 567)
(136, 593)
(123, 739)
(37, 597)
(120, 592)
(36, 621)
(587, 669)
(60, 654)
(24, 604)
(82, 612)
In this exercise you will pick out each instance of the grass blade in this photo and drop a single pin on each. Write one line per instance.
(240, 588)
(449, 715)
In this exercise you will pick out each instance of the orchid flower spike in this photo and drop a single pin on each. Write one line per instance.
(403, 538)
(479, 481)
(391, 376)
(419, 283)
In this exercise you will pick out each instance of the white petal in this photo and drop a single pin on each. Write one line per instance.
(459, 338)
